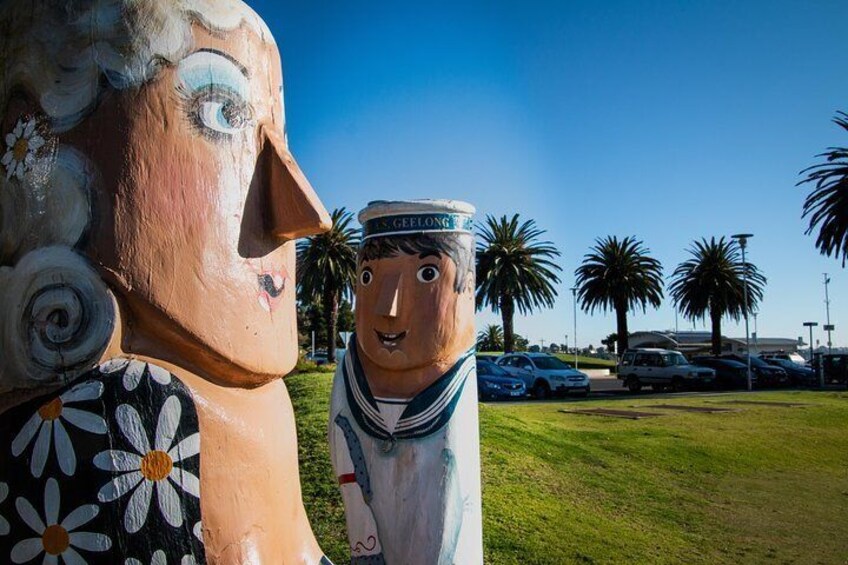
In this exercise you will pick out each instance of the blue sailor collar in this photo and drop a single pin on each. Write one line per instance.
(425, 414)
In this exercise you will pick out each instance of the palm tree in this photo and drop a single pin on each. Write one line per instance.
(619, 275)
(490, 339)
(712, 283)
(610, 342)
(326, 265)
(514, 270)
(827, 204)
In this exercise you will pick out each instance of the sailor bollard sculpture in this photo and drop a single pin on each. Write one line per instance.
(403, 418)
(148, 211)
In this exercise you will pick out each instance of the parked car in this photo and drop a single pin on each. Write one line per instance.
(835, 366)
(662, 368)
(798, 374)
(489, 358)
(794, 357)
(319, 357)
(729, 373)
(545, 374)
(495, 383)
(767, 375)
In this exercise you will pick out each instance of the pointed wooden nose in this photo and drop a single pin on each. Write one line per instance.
(388, 303)
(294, 209)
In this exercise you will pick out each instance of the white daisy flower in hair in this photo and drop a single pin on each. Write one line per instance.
(57, 539)
(47, 423)
(21, 148)
(159, 558)
(150, 466)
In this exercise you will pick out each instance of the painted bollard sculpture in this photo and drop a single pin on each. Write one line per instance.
(403, 419)
(148, 207)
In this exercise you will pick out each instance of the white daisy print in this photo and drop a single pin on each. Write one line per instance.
(57, 538)
(47, 424)
(21, 147)
(150, 466)
(159, 558)
(4, 524)
(134, 371)
(197, 530)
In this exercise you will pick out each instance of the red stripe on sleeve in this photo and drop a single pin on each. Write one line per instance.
(347, 478)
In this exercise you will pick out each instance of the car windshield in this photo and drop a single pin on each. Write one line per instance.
(755, 361)
(550, 364)
(487, 368)
(672, 359)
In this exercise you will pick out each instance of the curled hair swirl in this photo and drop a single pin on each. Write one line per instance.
(58, 318)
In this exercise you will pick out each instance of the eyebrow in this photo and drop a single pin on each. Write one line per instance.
(430, 253)
(228, 57)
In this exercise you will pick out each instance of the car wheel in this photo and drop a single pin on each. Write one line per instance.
(541, 390)
(676, 384)
(633, 384)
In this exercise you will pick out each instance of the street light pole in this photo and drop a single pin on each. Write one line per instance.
(743, 238)
(574, 299)
(756, 335)
(811, 325)
(828, 327)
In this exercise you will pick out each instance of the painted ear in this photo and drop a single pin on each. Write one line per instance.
(294, 209)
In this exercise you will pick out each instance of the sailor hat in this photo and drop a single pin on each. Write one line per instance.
(385, 218)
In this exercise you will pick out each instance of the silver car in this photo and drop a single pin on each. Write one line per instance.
(545, 374)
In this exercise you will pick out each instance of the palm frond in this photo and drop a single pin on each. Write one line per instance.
(326, 263)
(827, 205)
(619, 273)
(513, 263)
(713, 279)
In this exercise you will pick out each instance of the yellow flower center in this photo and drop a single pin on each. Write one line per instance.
(55, 540)
(156, 466)
(52, 410)
(19, 151)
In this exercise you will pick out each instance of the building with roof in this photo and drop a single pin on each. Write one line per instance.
(700, 342)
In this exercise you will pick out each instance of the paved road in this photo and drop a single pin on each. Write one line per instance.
(607, 385)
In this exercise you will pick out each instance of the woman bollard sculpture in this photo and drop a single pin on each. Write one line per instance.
(403, 432)
(148, 207)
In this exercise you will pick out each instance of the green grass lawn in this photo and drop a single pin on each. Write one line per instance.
(761, 484)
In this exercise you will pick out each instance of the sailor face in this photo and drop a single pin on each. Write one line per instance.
(408, 313)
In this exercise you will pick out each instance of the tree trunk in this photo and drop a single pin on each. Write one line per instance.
(621, 328)
(715, 318)
(507, 312)
(331, 316)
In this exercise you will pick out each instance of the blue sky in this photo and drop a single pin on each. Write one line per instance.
(665, 120)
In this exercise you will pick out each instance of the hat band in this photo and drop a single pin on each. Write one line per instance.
(403, 224)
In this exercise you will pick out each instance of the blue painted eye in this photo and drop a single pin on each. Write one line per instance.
(215, 92)
(222, 112)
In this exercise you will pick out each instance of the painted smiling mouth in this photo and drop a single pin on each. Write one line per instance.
(272, 286)
(272, 283)
(390, 340)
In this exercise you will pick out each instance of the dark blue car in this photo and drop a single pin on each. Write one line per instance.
(495, 383)
(800, 376)
(729, 373)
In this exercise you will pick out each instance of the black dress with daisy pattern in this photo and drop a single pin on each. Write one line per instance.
(106, 470)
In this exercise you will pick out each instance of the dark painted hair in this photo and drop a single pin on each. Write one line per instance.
(458, 246)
